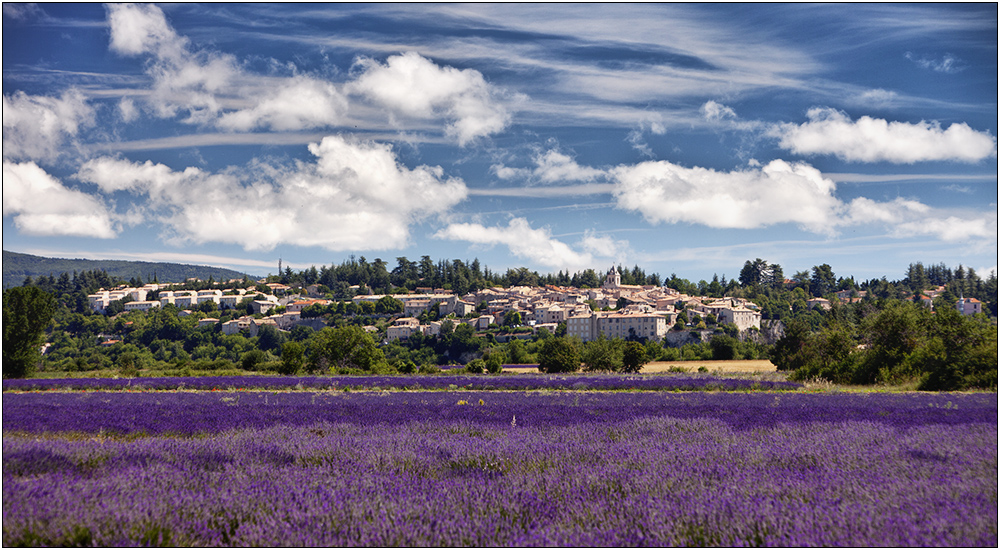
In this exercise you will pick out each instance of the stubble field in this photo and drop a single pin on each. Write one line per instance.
(460, 465)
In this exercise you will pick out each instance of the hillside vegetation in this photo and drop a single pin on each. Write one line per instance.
(17, 267)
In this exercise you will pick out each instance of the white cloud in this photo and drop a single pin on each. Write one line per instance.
(302, 102)
(414, 86)
(42, 205)
(908, 218)
(354, 196)
(127, 110)
(877, 97)
(779, 192)
(715, 111)
(947, 64)
(535, 245)
(831, 132)
(551, 166)
(35, 127)
(211, 88)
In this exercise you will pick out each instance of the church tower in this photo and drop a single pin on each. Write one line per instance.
(613, 279)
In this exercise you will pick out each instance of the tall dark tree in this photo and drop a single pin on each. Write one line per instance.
(26, 313)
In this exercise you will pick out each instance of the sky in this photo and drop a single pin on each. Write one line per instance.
(680, 138)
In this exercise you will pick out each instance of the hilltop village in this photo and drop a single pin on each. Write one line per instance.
(614, 310)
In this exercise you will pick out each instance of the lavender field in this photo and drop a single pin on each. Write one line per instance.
(603, 382)
(489, 468)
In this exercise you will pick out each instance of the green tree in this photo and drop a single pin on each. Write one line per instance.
(558, 355)
(252, 359)
(26, 313)
(602, 354)
(292, 358)
(791, 352)
(347, 347)
(494, 360)
(959, 353)
(387, 305)
(724, 347)
(633, 357)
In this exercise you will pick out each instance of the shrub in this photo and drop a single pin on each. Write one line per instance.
(476, 366)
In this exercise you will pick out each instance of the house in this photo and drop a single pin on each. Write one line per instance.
(969, 306)
(744, 318)
(403, 328)
(144, 305)
(207, 322)
(818, 302)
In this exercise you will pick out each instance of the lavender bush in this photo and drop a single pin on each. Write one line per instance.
(514, 469)
(416, 382)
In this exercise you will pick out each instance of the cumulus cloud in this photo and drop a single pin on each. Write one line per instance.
(41, 205)
(299, 103)
(211, 88)
(36, 127)
(355, 195)
(535, 245)
(778, 192)
(414, 86)
(831, 132)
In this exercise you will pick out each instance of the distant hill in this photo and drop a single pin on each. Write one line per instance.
(17, 266)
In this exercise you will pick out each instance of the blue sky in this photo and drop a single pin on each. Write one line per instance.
(682, 138)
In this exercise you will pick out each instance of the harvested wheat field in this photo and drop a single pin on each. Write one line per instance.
(748, 365)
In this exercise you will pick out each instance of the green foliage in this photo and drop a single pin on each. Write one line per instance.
(17, 266)
(559, 355)
(602, 354)
(476, 366)
(387, 305)
(346, 347)
(494, 359)
(633, 357)
(252, 359)
(724, 347)
(960, 353)
(27, 311)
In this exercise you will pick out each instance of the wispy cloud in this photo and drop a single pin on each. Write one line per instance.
(538, 245)
(948, 63)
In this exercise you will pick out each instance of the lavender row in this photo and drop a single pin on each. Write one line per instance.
(416, 382)
(212, 412)
(641, 480)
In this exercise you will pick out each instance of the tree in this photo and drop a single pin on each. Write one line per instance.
(558, 355)
(494, 360)
(634, 357)
(292, 358)
(822, 281)
(724, 347)
(348, 347)
(26, 313)
(388, 305)
(790, 351)
(512, 318)
(602, 354)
